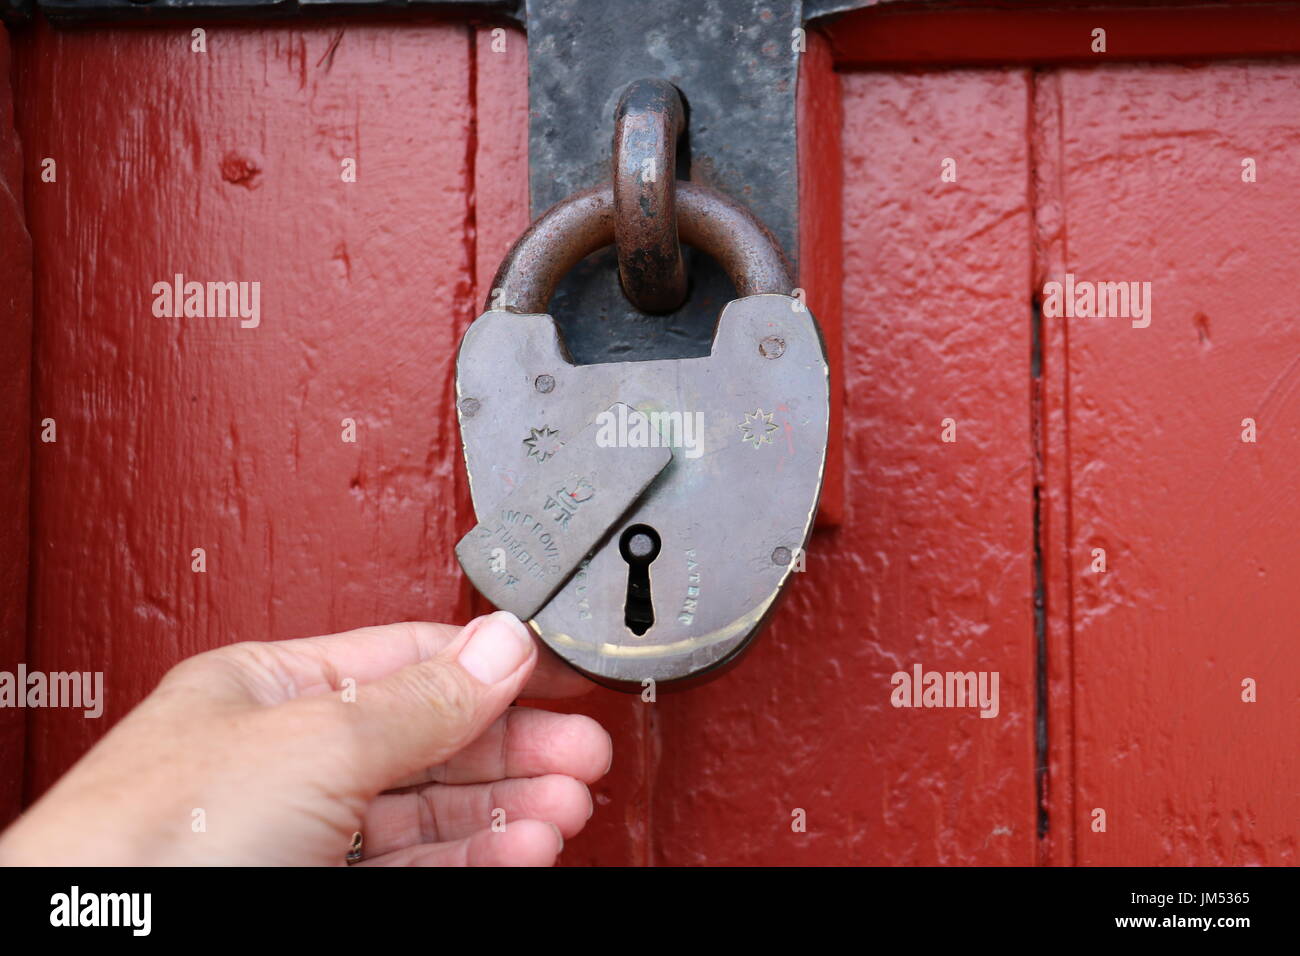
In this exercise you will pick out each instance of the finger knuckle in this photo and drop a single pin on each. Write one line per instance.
(251, 666)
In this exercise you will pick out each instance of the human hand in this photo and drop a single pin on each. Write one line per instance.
(260, 742)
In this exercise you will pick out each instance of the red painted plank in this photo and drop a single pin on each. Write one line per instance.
(933, 561)
(501, 148)
(896, 34)
(183, 433)
(1198, 526)
(16, 433)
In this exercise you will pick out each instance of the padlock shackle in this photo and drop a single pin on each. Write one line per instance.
(579, 225)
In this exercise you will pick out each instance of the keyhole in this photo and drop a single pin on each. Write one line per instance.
(639, 547)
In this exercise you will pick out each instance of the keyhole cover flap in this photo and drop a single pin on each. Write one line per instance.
(528, 545)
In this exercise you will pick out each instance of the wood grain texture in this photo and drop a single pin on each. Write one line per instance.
(177, 434)
(1198, 526)
(16, 433)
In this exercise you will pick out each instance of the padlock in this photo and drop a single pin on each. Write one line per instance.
(708, 469)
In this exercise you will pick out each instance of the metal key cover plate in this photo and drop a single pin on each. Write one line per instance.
(732, 510)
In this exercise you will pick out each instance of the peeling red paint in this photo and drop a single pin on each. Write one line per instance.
(240, 170)
(1198, 526)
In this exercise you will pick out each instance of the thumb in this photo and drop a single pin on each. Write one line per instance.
(422, 714)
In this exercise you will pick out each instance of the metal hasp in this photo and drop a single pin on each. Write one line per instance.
(735, 64)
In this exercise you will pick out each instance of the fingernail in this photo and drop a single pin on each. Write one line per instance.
(558, 835)
(499, 645)
(591, 804)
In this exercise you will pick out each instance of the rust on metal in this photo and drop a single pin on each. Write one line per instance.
(647, 123)
(579, 225)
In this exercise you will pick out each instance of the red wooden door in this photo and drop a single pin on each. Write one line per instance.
(1118, 691)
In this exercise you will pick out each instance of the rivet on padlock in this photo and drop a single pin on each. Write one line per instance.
(642, 516)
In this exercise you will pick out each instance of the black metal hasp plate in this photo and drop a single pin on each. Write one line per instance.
(735, 63)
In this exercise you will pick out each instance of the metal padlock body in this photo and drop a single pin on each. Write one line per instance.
(732, 520)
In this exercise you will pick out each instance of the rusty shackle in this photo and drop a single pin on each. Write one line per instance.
(647, 213)
(647, 122)
(577, 226)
